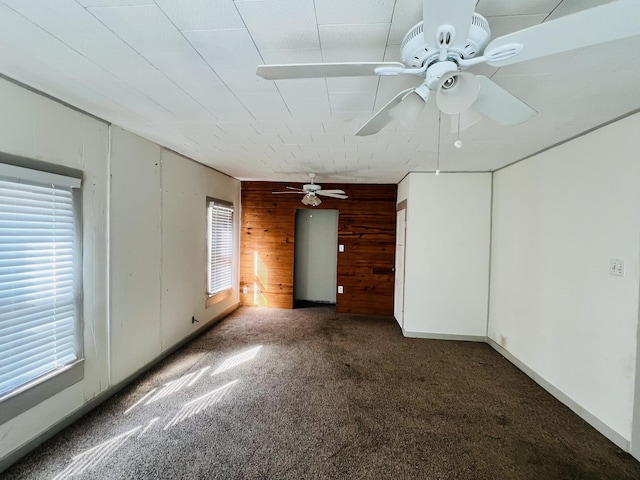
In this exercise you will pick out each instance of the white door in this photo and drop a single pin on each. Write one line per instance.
(398, 291)
(316, 255)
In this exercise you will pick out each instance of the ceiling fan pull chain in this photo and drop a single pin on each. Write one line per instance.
(438, 155)
(458, 142)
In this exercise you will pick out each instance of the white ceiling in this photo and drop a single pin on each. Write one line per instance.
(182, 73)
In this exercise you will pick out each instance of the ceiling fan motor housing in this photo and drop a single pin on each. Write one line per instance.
(311, 187)
(416, 52)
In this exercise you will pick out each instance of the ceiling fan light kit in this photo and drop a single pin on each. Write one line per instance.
(452, 37)
(311, 200)
(457, 91)
(312, 191)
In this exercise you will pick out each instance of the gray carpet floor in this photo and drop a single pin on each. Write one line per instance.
(308, 393)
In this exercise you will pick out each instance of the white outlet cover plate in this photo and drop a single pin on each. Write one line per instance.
(616, 267)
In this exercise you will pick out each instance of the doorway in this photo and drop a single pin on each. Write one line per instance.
(315, 257)
(398, 291)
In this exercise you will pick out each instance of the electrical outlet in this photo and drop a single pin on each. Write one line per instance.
(340, 289)
(616, 267)
(341, 248)
(245, 289)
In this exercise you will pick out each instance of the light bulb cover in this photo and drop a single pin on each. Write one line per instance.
(460, 95)
(311, 199)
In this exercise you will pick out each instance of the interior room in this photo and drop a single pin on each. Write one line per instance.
(488, 196)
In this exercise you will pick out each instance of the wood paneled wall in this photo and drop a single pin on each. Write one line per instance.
(366, 227)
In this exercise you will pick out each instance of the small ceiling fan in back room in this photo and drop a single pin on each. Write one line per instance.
(452, 37)
(312, 192)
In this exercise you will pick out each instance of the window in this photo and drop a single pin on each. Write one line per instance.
(40, 344)
(220, 247)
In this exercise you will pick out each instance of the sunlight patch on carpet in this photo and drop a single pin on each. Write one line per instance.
(186, 380)
(196, 406)
(236, 360)
(89, 459)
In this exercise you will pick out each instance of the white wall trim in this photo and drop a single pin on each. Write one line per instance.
(605, 430)
(57, 427)
(635, 419)
(444, 336)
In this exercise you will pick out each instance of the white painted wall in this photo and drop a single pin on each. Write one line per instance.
(447, 254)
(557, 220)
(398, 285)
(135, 217)
(316, 255)
(158, 249)
(403, 189)
(32, 126)
(185, 186)
(144, 207)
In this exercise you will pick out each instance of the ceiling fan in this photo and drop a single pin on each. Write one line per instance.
(452, 37)
(312, 191)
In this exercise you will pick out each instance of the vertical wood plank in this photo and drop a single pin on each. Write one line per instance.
(366, 227)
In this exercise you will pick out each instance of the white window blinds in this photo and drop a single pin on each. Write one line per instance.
(38, 284)
(220, 246)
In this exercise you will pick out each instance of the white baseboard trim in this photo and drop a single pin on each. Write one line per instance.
(15, 455)
(444, 336)
(588, 417)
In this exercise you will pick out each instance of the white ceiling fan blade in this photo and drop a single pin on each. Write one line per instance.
(462, 121)
(457, 14)
(381, 118)
(319, 70)
(605, 23)
(296, 189)
(326, 193)
(338, 191)
(500, 105)
(408, 110)
(277, 193)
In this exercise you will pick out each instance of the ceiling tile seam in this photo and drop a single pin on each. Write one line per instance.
(277, 88)
(55, 99)
(552, 10)
(375, 98)
(88, 9)
(517, 15)
(354, 25)
(107, 72)
(198, 30)
(286, 124)
(326, 86)
(222, 81)
(393, 14)
(562, 142)
(315, 14)
(262, 59)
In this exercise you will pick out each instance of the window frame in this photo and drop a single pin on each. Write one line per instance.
(216, 297)
(39, 389)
